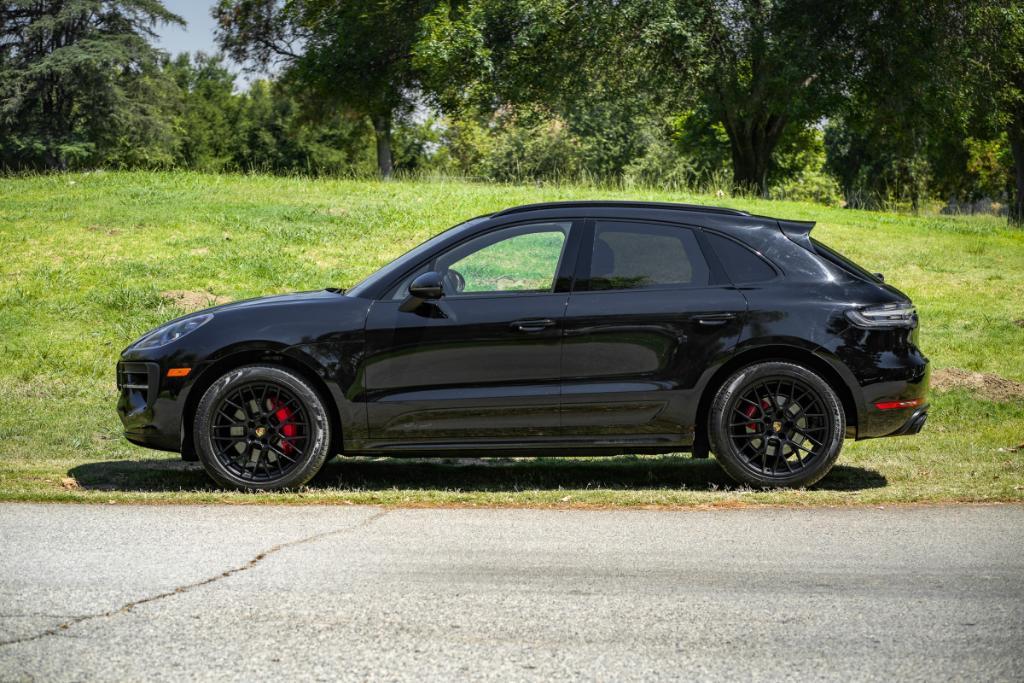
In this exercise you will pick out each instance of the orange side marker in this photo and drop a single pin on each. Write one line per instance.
(179, 372)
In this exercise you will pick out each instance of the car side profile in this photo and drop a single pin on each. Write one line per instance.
(568, 328)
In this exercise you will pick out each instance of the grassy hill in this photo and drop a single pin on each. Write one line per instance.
(90, 261)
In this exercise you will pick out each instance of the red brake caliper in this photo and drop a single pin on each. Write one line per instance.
(751, 410)
(283, 414)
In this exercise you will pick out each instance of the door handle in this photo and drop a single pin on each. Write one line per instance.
(533, 325)
(711, 319)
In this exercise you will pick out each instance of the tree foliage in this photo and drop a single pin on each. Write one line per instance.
(884, 102)
(79, 83)
(996, 51)
(352, 57)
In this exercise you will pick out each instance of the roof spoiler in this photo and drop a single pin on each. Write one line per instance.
(799, 232)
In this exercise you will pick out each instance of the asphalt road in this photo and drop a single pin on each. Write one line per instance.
(248, 593)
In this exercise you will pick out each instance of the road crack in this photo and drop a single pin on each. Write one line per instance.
(179, 590)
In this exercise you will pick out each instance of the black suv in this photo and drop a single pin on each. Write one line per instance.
(569, 328)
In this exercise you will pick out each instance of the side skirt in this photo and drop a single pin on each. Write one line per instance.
(648, 444)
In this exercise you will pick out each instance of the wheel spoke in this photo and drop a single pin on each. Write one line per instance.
(751, 435)
(280, 453)
(804, 448)
(748, 418)
(796, 452)
(809, 438)
(779, 455)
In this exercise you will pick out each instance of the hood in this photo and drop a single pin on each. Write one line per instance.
(313, 296)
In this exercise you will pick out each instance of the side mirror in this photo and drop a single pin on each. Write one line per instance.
(427, 286)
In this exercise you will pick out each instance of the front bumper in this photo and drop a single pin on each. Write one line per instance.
(149, 405)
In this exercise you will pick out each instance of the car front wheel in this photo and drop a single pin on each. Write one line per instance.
(776, 424)
(261, 427)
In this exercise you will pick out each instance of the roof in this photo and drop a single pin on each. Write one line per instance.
(692, 208)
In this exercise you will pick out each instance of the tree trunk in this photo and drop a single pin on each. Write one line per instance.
(1016, 135)
(382, 131)
(752, 142)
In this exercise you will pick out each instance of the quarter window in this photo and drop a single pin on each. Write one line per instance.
(645, 255)
(741, 264)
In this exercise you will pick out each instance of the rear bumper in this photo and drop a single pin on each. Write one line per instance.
(908, 383)
(914, 424)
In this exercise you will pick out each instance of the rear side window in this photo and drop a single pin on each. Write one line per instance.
(645, 255)
(740, 263)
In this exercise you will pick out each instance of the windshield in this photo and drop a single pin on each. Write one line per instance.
(405, 261)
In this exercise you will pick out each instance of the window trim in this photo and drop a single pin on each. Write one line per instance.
(844, 263)
(581, 282)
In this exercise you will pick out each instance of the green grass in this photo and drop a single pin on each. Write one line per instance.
(85, 258)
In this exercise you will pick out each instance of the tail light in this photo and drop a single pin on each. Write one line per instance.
(894, 405)
(889, 315)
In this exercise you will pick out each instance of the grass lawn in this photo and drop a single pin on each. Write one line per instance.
(90, 261)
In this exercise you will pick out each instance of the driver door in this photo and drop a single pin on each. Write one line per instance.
(483, 362)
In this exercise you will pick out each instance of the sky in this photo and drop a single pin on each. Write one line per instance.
(197, 35)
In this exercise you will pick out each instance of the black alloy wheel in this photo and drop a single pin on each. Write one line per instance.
(261, 427)
(776, 424)
(260, 431)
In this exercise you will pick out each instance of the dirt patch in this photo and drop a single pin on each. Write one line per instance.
(1019, 323)
(988, 386)
(193, 301)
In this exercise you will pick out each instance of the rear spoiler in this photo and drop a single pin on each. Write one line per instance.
(799, 232)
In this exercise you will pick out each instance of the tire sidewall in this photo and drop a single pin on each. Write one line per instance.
(728, 455)
(320, 437)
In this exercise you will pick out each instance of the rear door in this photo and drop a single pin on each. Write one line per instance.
(648, 314)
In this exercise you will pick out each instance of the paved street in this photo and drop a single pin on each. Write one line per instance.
(154, 593)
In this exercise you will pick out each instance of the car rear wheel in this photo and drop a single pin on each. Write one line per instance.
(261, 427)
(776, 424)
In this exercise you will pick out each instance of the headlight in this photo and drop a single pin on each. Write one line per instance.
(889, 315)
(171, 332)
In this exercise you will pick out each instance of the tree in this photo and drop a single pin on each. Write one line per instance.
(997, 55)
(208, 113)
(906, 108)
(79, 80)
(763, 66)
(355, 56)
(756, 66)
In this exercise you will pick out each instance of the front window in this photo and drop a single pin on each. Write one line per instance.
(523, 259)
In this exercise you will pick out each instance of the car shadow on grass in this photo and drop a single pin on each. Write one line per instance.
(476, 474)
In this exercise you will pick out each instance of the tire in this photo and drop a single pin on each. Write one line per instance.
(261, 427)
(776, 424)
